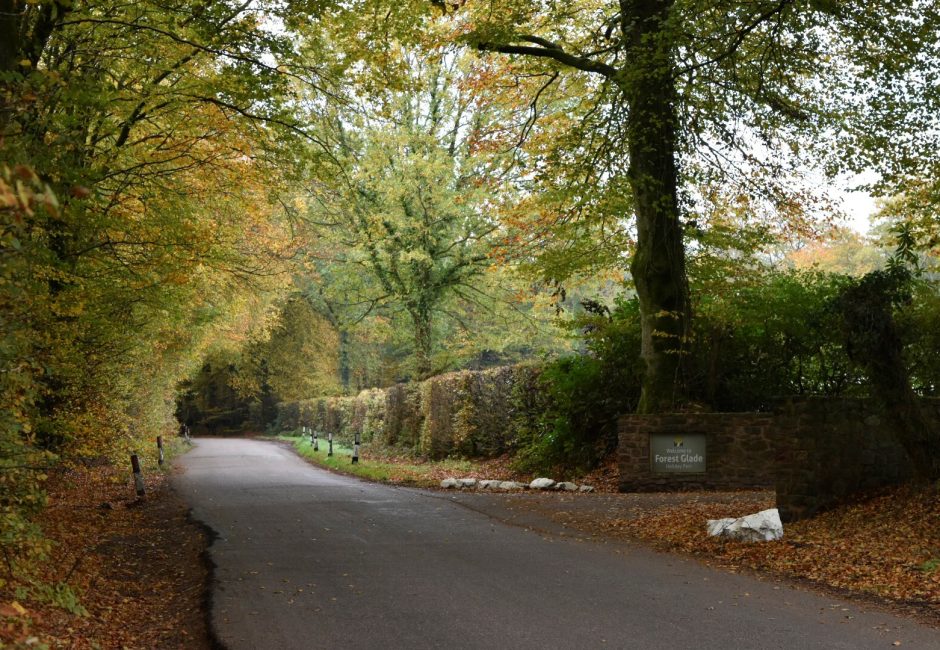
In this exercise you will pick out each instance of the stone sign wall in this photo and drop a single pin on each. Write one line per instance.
(678, 454)
(815, 452)
(695, 451)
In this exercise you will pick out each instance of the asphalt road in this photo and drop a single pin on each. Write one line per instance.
(309, 559)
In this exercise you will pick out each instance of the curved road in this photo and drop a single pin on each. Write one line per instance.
(309, 559)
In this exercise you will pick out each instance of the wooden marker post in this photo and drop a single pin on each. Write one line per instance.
(355, 458)
(160, 448)
(138, 476)
(316, 442)
(330, 438)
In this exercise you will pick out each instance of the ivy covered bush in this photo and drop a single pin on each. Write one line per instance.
(467, 413)
(581, 396)
(772, 337)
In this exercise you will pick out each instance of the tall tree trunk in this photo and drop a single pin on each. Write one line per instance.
(423, 342)
(11, 20)
(344, 360)
(658, 266)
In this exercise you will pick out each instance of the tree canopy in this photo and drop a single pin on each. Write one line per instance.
(738, 98)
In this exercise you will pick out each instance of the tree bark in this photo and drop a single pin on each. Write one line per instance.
(11, 20)
(658, 265)
(423, 342)
(344, 360)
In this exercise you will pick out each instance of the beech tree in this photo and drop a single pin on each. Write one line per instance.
(739, 93)
(411, 209)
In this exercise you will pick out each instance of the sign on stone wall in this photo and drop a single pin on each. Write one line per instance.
(682, 453)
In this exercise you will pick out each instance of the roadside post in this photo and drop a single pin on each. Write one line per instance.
(160, 448)
(316, 442)
(330, 439)
(355, 457)
(138, 476)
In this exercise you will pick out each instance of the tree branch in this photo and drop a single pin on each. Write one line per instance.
(549, 50)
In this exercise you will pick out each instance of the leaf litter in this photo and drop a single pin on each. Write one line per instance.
(133, 567)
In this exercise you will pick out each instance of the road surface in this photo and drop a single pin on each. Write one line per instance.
(305, 558)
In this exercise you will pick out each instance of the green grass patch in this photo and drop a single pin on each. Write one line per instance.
(372, 469)
(930, 565)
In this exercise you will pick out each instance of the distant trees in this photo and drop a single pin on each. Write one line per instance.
(415, 206)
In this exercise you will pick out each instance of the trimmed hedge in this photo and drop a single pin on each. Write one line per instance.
(466, 413)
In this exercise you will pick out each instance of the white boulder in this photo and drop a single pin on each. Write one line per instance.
(763, 526)
(449, 483)
(466, 482)
(509, 486)
(542, 484)
(487, 484)
(586, 488)
(566, 486)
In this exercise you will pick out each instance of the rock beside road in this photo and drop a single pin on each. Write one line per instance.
(540, 484)
(763, 526)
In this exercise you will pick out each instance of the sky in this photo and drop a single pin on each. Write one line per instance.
(859, 206)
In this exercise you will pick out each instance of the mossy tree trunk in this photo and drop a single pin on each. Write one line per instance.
(344, 370)
(424, 341)
(648, 83)
(658, 265)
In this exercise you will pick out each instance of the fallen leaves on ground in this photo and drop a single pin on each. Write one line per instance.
(134, 564)
(887, 545)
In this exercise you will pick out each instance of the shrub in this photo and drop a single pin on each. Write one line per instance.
(773, 337)
(583, 395)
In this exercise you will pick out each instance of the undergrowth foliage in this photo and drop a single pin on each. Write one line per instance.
(23, 465)
(778, 336)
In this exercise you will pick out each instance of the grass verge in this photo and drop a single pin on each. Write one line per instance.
(387, 467)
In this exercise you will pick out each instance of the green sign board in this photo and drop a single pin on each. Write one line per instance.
(682, 453)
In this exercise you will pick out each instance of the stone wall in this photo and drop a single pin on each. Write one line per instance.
(830, 449)
(739, 451)
(816, 452)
